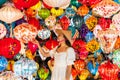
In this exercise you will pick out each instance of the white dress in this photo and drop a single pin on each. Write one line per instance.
(61, 60)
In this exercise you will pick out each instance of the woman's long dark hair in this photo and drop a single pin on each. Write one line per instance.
(67, 41)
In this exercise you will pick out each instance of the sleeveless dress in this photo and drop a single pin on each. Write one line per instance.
(61, 60)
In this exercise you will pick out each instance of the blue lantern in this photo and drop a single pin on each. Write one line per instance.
(89, 36)
(3, 63)
(70, 12)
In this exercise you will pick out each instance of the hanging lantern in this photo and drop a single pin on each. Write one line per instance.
(30, 13)
(116, 57)
(58, 3)
(9, 75)
(104, 23)
(84, 74)
(3, 31)
(9, 47)
(3, 63)
(50, 22)
(89, 36)
(91, 22)
(20, 4)
(108, 71)
(83, 53)
(37, 6)
(43, 73)
(25, 32)
(83, 10)
(44, 34)
(10, 14)
(65, 22)
(44, 13)
(70, 12)
(25, 67)
(92, 46)
(33, 47)
(107, 39)
(77, 21)
(79, 65)
(117, 43)
(57, 11)
(50, 44)
(74, 73)
(106, 8)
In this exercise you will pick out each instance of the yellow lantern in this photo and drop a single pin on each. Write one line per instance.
(37, 6)
(57, 11)
(84, 74)
(10, 65)
(29, 54)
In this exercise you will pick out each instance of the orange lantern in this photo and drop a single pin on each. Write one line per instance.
(79, 65)
(74, 73)
(117, 43)
(83, 10)
(30, 12)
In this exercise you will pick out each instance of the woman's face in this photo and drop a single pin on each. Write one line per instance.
(60, 38)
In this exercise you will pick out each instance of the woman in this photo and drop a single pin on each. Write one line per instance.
(64, 56)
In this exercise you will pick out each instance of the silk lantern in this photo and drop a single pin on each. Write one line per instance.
(83, 10)
(74, 73)
(37, 6)
(35, 22)
(3, 63)
(75, 3)
(89, 36)
(70, 12)
(9, 47)
(33, 47)
(44, 13)
(30, 13)
(57, 11)
(84, 74)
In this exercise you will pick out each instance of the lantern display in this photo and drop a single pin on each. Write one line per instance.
(83, 10)
(50, 44)
(84, 74)
(57, 12)
(116, 57)
(105, 8)
(3, 63)
(3, 31)
(104, 23)
(70, 12)
(44, 34)
(77, 21)
(79, 65)
(9, 47)
(91, 22)
(30, 12)
(25, 67)
(107, 39)
(25, 32)
(64, 21)
(108, 71)
(92, 46)
(20, 4)
(74, 73)
(44, 13)
(9, 75)
(43, 73)
(58, 3)
(10, 14)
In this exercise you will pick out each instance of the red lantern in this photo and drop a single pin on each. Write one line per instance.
(20, 4)
(9, 47)
(32, 47)
(34, 22)
(79, 65)
(104, 23)
(78, 44)
(108, 71)
(64, 22)
(50, 44)
(74, 73)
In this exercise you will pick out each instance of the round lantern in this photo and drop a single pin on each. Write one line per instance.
(44, 34)
(33, 47)
(57, 11)
(34, 22)
(3, 31)
(104, 23)
(83, 10)
(9, 75)
(70, 12)
(79, 65)
(20, 4)
(105, 8)
(9, 47)
(77, 21)
(3, 63)
(65, 22)
(57, 3)
(92, 46)
(116, 57)
(25, 67)
(50, 44)
(10, 14)
(83, 53)
(91, 22)
(44, 13)
(84, 74)
(30, 12)
(43, 73)
(108, 71)
(25, 32)
(117, 43)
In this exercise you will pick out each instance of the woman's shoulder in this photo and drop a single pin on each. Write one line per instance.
(70, 49)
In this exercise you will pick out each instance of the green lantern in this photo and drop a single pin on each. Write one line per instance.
(44, 13)
(75, 3)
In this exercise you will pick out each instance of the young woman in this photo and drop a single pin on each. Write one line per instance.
(64, 57)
